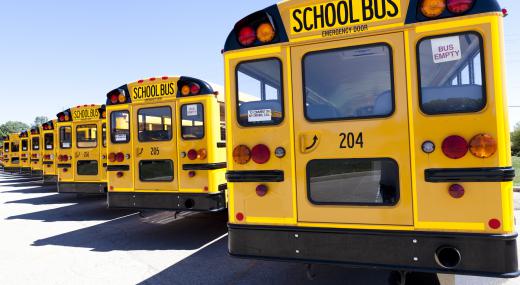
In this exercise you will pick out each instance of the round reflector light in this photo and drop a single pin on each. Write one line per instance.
(261, 190)
(455, 147)
(240, 216)
(241, 154)
(121, 98)
(265, 33)
(456, 191)
(433, 8)
(260, 154)
(246, 36)
(202, 154)
(192, 154)
(495, 224)
(428, 147)
(112, 157)
(120, 157)
(483, 146)
(459, 6)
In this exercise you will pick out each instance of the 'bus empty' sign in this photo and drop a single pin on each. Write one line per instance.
(446, 49)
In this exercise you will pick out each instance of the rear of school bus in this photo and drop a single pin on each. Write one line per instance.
(371, 133)
(50, 146)
(36, 152)
(165, 148)
(80, 167)
(13, 158)
(25, 153)
(5, 153)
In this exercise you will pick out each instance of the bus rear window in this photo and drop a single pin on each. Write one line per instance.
(156, 170)
(104, 134)
(155, 124)
(353, 181)
(87, 167)
(86, 136)
(36, 143)
(451, 74)
(25, 145)
(15, 146)
(120, 127)
(66, 137)
(48, 140)
(260, 93)
(349, 83)
(192, 121)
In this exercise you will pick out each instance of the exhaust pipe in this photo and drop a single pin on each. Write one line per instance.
(189, 203)
(448, 257)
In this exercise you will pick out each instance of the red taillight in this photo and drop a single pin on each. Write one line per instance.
(260, 154)
(112, 157)
(455, 147)
(247, 36)
(459, 6)
(62, 118)
(120, 157)
(195, 89)
(192, 154)
(114, 98)
(240, 216)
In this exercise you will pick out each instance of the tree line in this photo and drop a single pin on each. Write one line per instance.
(11, 127)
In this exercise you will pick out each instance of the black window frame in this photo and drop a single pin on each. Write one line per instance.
(77, 140)
(7, 147)
(282, 95)
(88, 161)
(155, 181)
(44, 142)
(112, 133)
(12, 147)
(482, 66)
(60, 137)
(372, 205)
(104, 135)
(32, 143)
(27, 146)
(203, 122)
(392, 82)
(150, 108)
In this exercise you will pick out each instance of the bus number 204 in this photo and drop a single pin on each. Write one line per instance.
(351, 140)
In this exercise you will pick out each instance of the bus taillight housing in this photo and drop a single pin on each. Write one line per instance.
(257, 29)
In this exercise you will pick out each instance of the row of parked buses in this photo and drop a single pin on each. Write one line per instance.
(370, 133)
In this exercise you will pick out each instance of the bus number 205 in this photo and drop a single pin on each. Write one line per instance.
(351, 140)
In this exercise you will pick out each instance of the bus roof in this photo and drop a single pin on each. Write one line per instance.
(81, 113)
(304, 20)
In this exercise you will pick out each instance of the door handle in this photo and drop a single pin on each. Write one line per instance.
(309, 141)
(139, 151)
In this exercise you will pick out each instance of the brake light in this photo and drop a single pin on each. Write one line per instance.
(62, 118)
(433, 8)
(112, 157)
(192, 154)
(455, 147)
(483, 146)
(246, 36)
(120, 157)
(240, 216)
(260, 154)
(195, 89)
(265, 33)
(241, 154)
(459, 6)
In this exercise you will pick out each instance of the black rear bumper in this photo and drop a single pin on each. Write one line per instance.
(168, 201)
(82, 188)
(480, 255)
(50, 179)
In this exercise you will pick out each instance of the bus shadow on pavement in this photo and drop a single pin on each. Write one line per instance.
(52, 199)
(213, 265)
(33, 189)
(131, 233)
(89, 208)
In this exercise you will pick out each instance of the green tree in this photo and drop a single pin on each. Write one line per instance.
(40, 120)
(515, 140)
(12, 127)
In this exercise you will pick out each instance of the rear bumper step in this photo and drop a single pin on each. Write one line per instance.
(468, 254)
(494, 174)
(167, 201)
(255, 176)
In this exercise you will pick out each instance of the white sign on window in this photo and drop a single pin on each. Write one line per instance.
(36, 147)
(192, 110)
(66, 145)
(49, 146)
(446, 49)
(120, 137)
(259, 115)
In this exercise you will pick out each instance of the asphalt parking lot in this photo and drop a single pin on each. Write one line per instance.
(50, 238)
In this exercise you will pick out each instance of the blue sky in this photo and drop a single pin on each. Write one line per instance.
(57, 54)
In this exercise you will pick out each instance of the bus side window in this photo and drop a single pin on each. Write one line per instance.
(451, 74)
(260, 93)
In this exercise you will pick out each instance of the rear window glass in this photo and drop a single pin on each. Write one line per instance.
(86, 136)
(192, 127)
(65, 137)
(6, 147)
(349, 83)
(15, 146)
(87, 167)
(36, 143)
(156, 170)
(25, 145)
(48, 141)
(353, 181)
(155, 124)
(451, 74)
(120, 127)
(260, 95)
(104, 135)
(15, 160)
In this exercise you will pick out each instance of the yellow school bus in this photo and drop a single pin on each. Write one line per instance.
(166, 148)
(371, 133)
(12, 149)
(81, 155)
(25, 153)
(4, 152)
(49, 148)
(36, 157)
